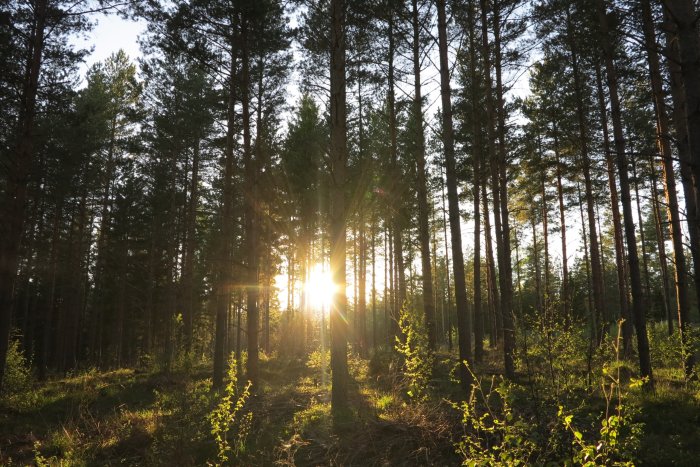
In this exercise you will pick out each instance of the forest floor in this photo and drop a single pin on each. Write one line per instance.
(127, 417)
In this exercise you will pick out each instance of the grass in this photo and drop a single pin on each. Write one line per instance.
(124, 417)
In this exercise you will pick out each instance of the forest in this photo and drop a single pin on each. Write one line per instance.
(350, 232)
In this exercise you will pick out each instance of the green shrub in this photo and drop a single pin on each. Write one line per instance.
(18, 375)
(413, 347)
(230, 424)
(493, 433)
(182, 429)
(617, 440)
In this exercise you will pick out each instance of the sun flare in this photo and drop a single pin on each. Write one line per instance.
(320, 288)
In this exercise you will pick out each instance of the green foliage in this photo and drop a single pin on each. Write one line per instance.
(229, 423)
(554, 355)
(18, 376)
(182, 429)
(320, 363)
(493, 433)
(618, 437)
(665, 350)
(417, 357)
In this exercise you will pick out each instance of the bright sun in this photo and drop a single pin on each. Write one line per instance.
(320, 288)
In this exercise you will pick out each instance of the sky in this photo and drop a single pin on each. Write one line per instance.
(113, 33)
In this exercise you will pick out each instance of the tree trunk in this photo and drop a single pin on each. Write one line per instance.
(545, 239)
(506, 273)
(251, 206)
(190, 248)
(627, 325)
(596, 267)
(338, 164)
(638, 305)
(566, 306)
(464, 324)
(663, 139)
(421, 172)
(448, 290)
(493, 295)
(224, 275)
(495, 189)
(586, 260)
(14, 205)
(661, 248)
(536, 266)
(476, 165)
(683, 15)
(642, 236)
(684, 154)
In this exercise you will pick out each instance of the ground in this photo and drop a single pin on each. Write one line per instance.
(130, 417)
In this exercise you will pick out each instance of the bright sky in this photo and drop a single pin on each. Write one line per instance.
(113, 33)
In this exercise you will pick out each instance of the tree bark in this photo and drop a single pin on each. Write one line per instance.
(663, 140)
(506, 273)
(623, 296)
(464, 324)
(638, 305)
(421, 172)
(476, 165)
(682, 143)
(683, 15)
(338, 164)
(251, 207)
(596, 267)
(224, 276)
(565, 296)
(14, 205)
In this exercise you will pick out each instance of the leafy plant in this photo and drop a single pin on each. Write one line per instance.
(417, 357)
(618, 436)
(18, 376)
(229, 423)
(493, 433)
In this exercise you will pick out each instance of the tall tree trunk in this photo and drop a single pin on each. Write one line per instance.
(251, 206)
(14, 205)
(224, 276)
(493, 166)
(386, 299)
(476, 165)
(642, 236)
(683, 145)
(545, 239)
(362, 227)
(373, 240)
(464, 324)
(49, 325)
(536, 266)
(448, 290)
(623, 296)
(506, 274)
(493, 295)
(566, 305)
(661, 248)
(596, 267)
(421, 172)
(683, 15)
(663, 139)
(638, 305)
(338, 164)
(586, 260)
(396, 192)
(190, 248)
